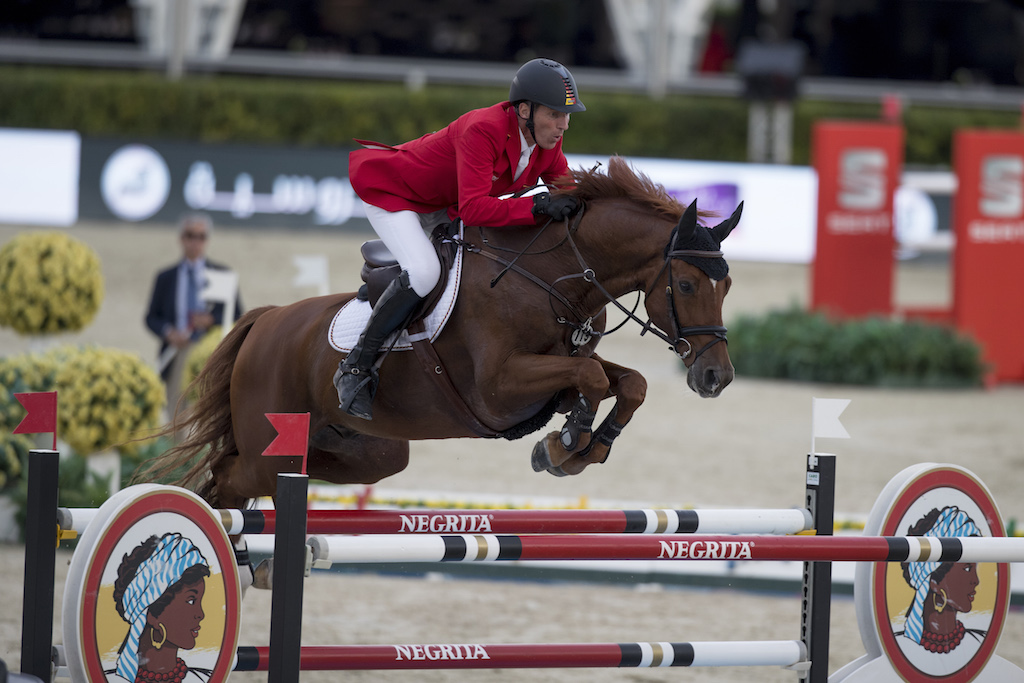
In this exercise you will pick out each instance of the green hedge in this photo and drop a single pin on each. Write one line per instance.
(139, 104)
(812, 347)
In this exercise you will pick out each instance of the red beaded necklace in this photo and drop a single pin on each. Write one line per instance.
(177, 675)
(933, 642)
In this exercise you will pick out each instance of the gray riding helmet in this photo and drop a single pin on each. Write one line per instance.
(545, 81)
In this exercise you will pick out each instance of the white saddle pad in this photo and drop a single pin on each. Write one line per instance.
(350, 321)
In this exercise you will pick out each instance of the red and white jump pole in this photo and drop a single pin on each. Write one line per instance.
(643, 521)
(494, 548)
(534, 656)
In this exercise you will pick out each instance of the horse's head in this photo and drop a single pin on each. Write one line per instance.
(695, 280)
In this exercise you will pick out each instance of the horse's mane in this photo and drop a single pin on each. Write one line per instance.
(621, 180)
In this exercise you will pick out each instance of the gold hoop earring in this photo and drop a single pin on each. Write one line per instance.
(935, 602)
(152, 637)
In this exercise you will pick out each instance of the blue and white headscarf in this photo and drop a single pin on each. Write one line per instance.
(172, 556)
(952, 521)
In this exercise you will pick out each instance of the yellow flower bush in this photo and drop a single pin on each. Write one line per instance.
(49, 282)
(14, 450)
(19, 374)
(105, 397)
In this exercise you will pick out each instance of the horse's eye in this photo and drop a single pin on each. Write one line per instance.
(685, 286)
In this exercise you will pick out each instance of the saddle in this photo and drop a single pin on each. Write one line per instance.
(380, 267)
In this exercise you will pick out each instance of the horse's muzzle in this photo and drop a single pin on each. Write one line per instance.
(708, 380)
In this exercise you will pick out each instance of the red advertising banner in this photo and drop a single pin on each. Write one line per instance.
(988, 219)
(859, 166)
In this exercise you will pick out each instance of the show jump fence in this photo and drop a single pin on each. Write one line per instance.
(507, 535)
(481, 536)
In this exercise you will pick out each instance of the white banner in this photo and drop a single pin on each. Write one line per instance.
(39, 177)
(780, 209)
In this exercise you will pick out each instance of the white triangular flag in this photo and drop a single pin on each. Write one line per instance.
(312, 272)
(825, 414)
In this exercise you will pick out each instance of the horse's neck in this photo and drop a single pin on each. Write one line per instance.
(623, 248)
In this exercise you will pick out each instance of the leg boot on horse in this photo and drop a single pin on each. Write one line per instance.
(356, 377)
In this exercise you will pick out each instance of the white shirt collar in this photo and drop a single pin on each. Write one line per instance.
(524, 155)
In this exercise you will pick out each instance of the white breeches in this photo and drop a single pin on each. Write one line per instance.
(403, 233)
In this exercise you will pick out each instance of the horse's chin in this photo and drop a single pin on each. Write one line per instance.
(708, 382)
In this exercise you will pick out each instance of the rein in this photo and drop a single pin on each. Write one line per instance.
(583, 331)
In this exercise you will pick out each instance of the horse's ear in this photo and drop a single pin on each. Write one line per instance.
(722, 230)
(687, 225)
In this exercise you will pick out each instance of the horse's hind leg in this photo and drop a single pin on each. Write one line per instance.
(359, 459)
(342, 456)
(551, 454)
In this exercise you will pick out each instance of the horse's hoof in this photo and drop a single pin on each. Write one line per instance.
(263, 576)
(541, 458)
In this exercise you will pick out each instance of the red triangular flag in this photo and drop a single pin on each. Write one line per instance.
(292, 435)
(42, 412)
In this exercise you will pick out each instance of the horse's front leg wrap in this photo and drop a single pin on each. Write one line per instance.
(579, 422)
(605, 434)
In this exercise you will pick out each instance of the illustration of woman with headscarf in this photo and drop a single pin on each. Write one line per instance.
(941, 589)
(159, 592)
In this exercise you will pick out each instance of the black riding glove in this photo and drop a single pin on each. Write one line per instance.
(559, 208)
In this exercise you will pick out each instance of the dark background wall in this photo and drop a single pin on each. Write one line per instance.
(964, 41)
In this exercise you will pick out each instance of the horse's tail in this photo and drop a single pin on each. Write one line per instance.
(210, 436)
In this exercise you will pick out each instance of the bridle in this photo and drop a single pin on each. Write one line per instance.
(583, 331)
(681, 332)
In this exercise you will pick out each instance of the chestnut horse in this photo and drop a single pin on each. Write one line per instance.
(519, 347)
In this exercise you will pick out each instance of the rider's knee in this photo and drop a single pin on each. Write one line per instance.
(424, 275)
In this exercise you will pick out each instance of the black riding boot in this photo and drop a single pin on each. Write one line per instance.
(356, 378)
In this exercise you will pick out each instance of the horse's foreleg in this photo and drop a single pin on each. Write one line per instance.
(575, 434)
(630, 389)
(578, 425)
(519, 379)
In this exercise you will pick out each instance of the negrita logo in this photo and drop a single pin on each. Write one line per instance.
(862, 179)
(1002, 186)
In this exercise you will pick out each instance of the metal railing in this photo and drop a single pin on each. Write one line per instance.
(421, 72)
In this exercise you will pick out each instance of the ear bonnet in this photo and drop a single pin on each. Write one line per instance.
(701, 246)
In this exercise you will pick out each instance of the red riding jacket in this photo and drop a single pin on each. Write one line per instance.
(463, 167)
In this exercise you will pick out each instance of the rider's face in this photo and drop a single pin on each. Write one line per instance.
(548, 124)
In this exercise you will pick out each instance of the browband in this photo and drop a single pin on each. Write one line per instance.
(679, 253)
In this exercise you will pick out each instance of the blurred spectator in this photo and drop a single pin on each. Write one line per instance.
(717, 54)
(176, 313)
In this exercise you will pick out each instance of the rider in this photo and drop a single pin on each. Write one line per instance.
(458, 171)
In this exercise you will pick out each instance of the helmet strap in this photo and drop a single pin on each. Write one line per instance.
(529, 120)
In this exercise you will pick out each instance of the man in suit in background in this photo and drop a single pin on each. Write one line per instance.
(176, 313)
